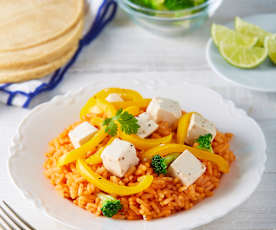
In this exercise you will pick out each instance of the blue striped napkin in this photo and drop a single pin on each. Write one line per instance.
(100, 13)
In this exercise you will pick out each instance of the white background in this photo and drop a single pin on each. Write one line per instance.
(125, 49)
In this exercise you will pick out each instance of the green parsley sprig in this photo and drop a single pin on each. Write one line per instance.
(128, 123)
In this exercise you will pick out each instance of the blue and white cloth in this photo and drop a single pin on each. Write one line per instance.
(99, 14)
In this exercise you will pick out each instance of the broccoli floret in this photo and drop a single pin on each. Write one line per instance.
(160, 164)
(144, 3)
(168, 4)
(199, 2)
(178, 4)
(158, 4)
(151, 4)
(110, 206)
(204, 142)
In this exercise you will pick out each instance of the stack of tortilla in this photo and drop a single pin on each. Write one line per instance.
(37, 36)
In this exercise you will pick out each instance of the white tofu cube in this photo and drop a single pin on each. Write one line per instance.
(119, 156)
(199, 126)
(147, 125)
(187, 168)
(164, 109)
(81, 134)
(113, 97)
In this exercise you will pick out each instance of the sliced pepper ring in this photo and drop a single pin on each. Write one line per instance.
(96, 121)
(134, 110)
(182, 128)
(141, 143)
(127, 94)
(141, 103)
(96, 157)
(106, 107)
(89, 107)
(98, 105)
(109, 187)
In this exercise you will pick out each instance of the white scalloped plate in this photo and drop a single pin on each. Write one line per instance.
(48, 120)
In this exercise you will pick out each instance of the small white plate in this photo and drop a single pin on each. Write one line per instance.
(262, 78)
(48, 120)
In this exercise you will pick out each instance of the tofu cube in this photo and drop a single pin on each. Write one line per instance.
(81, 134)
(113, 97)
(164, 109)
(199, 126)
(187, 168)
(119, 156)
(147, 125)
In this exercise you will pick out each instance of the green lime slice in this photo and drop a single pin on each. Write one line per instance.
(270, 44)
(251, 30)
(243, 57)
(222, 34)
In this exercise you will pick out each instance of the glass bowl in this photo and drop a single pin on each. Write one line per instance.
(165, 22)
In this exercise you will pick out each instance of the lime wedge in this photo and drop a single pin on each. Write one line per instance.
(243, 57)
(222, 34)
(251, 30)
(270, 44)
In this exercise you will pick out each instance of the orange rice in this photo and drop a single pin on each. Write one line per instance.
(166, 195)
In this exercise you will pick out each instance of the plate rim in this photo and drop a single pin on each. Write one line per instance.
(36, 201)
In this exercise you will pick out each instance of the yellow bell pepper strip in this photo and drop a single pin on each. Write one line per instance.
(141, 143)
(106, 107)
(127, 94)
(109, 187)
(89, 107)
(82, 150)
(97, 106)
(163, 150)
(182, 128)
(134, 110)
(97, 121)
(142, 103)
(96, 157)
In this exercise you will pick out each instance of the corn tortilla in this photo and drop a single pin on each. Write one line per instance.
(32, 22)
(43, 54)
(11, 76)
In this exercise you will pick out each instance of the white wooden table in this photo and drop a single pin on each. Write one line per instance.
(125, 51)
